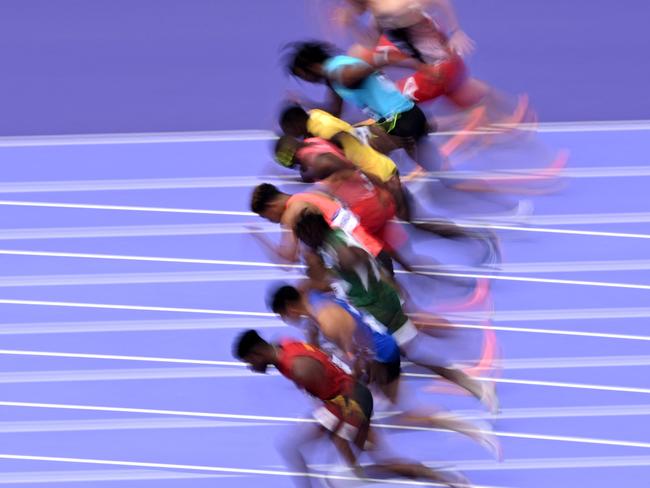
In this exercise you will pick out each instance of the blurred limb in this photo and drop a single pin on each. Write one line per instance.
(459, 41)
(389, 463)
(291, 447)
(286, 252)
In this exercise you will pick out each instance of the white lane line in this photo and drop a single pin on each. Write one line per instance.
(136, 138)
(517, 173)
(94, 326)
(91, 206)
(265, 135)
(156, 259)
(561, 412)
(132, 307)
(572, 439)
(218, 469)
(86, 425)
(566, 266)
(559, 314)
(135, 231)
(146, 278)
(587, 126)
(265, 314)
(171, 422)
(151, 359)
(116, 374)
(258, 227)
(576, 333)
(81, 327)
(69, 186)
(554, 463)
(85, 476)
(528, 279)
(546, 230)
(551, 219)
(554, 384)
(564, 219)
(278, 274)
(530, 463)
(507, 364)
(237, 370)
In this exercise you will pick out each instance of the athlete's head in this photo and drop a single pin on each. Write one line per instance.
(287, 302)
(312, 229)
(293, 121)
(305, 60)
(268, 202)
(285, 151)
(252, 349)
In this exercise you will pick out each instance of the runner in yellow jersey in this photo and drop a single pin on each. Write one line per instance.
(299, 123)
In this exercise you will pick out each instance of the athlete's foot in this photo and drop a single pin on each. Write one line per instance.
(491, 257)
(489, 397)
(479, 294)
(512, 121)
(456, 480)
(488, 440)
(476, 118)
(417, 173)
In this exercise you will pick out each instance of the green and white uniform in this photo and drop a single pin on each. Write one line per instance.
(365, 288)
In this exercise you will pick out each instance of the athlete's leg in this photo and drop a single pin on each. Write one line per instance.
(291, 447)
(389, 463)
(420, 349)
(415, 414)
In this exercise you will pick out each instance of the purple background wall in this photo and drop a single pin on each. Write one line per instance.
(74, 66)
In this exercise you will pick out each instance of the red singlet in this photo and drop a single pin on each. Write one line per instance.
(337, 382)
(338, 216)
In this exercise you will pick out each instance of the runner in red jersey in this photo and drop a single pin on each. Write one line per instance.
(345, 414)
(270, 203)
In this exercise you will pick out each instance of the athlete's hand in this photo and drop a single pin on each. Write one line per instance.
(461, 43)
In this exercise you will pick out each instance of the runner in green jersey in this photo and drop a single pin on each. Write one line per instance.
(358, 277)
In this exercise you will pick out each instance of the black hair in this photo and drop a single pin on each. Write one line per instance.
(293, 114)
(301, 55)
(311, 228)
(282, 297)
(245, 343)
(262, 197)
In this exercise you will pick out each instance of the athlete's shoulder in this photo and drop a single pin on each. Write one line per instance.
(341, 61)
(294, 347)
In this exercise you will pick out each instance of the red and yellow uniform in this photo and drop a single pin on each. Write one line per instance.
(347, 404)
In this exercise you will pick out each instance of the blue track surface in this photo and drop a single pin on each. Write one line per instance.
(583, 424)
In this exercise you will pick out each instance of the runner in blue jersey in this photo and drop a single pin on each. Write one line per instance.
(368, 347)
(354, 81)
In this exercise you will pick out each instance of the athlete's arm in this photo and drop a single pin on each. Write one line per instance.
(308, 372)
(458, 40)
(351, 75)
(335, 104)
(350, 257)
(341, 138)
(317, 274)
(324, 165)
(286, 251)
(335, 180)
(338, 326)
(313, 335)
